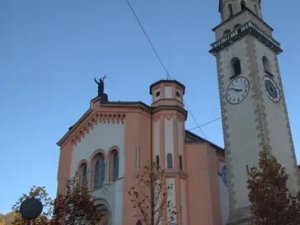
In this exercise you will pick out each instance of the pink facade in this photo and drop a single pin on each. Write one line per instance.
(121, 137)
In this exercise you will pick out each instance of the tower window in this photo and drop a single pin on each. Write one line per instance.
(237, 26)
(157, 94)
(243, 5)
(266, 64)
(226, 32)
(180, 162)
(137, 156)
(236, 64)
(230, 10)
(157, 162)
(169, 161)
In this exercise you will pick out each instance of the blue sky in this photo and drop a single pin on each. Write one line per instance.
(51, 50)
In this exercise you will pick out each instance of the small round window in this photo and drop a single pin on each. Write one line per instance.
(157, 94)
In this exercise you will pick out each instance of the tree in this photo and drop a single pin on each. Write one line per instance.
(76, 207)
(38, 193)
(272, 204)
(150, 197)
(7, 219)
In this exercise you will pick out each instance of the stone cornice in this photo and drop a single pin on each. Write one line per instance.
(247, 28)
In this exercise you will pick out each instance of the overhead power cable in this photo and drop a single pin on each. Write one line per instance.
(165, 68)
(195, 121)
(148, 38)
(205, 124)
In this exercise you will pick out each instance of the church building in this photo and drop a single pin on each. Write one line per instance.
(113, 141)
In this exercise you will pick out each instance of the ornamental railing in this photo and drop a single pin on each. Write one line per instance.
(246, 28)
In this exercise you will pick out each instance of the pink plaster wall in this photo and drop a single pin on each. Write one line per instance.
(202, 185)
(138, 132)
(64, 170)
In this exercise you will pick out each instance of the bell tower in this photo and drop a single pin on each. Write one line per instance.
(168, 135)
(254, 112)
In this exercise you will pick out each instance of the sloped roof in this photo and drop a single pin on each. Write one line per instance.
(168, 81)
(191, 138)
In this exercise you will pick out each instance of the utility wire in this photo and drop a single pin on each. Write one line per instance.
(148, 38)
(165, 69)
(195, 121)
(205, 124)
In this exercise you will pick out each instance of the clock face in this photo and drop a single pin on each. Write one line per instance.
(237, 90)
(271, 89)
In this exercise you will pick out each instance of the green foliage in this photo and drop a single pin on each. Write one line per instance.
(38, 193)
(150, 197)
(75, 207)
(272, 204)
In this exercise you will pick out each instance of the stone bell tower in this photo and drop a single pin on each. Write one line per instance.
(253, 107)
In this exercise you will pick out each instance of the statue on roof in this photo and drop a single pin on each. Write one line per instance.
(100, 85)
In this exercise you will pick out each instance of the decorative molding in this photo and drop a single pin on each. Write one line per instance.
(225, 122)
(257, 95)
(95, 119)
(172, 173)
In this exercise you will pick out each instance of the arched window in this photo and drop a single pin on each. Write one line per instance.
(83, 177)
(226, 32)
(236, 65)
(266, 64)
(243, 5)
(114, 165)
(237, 26)
(230, 10)
(169, 161)
(99, 170)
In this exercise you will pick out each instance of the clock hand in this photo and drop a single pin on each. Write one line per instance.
(235, 89)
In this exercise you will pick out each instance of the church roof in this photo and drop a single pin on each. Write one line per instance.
(191, 138)
(168, 81)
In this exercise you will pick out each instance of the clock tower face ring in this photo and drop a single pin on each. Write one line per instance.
(237, 90)
(271, 89)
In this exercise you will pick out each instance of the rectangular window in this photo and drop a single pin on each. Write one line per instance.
(157, 162)
(169, 161)
(180, 162)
